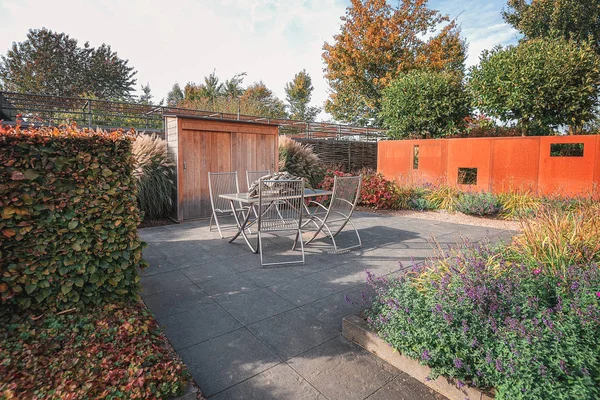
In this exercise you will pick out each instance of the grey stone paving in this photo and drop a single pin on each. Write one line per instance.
(252, 332)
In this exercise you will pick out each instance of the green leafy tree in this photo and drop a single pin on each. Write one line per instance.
(376, 44)
(54, 64)
(578, 20)
(298, 93)
(175, 96)
(541, 84)
(266, 103)
(424, 104)
(232, 88)
(146, 96)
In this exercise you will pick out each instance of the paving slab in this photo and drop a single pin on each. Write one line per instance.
(341, 370)
(227, 360)
(279, 382)
(176, 301)
(253, 306)
(208, 271)
(163, 282)
(195, 326)
(302, 290)
(291, 333)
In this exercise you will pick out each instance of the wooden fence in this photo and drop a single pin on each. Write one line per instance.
(349, 155)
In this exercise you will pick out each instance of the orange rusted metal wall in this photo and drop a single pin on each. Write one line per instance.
(503, 164)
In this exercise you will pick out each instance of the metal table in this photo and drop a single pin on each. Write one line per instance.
(251, 201)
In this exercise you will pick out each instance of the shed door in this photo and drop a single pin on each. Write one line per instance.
(202, 152)
(255, 152)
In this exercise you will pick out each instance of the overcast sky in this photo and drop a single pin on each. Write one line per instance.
(184, 40)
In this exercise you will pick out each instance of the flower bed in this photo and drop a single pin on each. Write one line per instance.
(111, 351)
(522, 318)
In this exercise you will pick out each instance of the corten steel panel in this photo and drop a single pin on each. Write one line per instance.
(567, 176)
(469, 153)
(394, 158)
(597, 166)
(433, 157)
(514, 164)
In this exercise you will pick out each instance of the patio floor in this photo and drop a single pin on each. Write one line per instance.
(252, 332)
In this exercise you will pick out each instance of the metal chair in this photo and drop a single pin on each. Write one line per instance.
(333, 219)
(253, 176)
(222, 183)
(280, 208)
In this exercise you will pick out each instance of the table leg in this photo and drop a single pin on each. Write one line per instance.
(241, 227)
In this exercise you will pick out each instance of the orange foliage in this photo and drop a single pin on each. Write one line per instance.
(376, 43)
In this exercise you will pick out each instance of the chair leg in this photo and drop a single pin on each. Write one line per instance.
(218, 225)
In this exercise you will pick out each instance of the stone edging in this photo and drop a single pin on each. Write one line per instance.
(356, 330)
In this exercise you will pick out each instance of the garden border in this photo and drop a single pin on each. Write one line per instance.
(355, 329)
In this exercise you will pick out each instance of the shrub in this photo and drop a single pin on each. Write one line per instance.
(420, 204)
(111, 351)
(68, 228)
(558, 239)
(299, 160)
(491, 317)
(479, 204)
(529, 335)
(154, 173)
(518, 204)
(444, 197)
(424, 104)
(377, 192)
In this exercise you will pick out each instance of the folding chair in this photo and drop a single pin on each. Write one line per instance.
(280, 207)
(222, 183)
(333, 219)
(253, 176)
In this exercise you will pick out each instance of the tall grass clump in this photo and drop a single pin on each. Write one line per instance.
(299, 159)
(444, 197)
(154, 173)
(518, 204)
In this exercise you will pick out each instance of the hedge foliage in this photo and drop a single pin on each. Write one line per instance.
(68, 217)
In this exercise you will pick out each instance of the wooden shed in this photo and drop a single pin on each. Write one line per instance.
(200, 145)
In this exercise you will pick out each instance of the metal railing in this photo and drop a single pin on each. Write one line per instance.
(91, 113)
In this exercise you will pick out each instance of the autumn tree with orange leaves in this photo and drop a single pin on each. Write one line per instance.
(377, 43)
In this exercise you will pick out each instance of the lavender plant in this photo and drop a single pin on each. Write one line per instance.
(483, 203)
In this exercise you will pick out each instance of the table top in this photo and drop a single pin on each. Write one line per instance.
(244, 198)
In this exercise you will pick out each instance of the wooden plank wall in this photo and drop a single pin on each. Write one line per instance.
(348, 155)
(217, 146)
(171, 137)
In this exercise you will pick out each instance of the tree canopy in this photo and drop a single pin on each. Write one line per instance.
(53, 63)
(578, 20)
(541, 84)
(298, 93)
(424, 104)
(377, 43)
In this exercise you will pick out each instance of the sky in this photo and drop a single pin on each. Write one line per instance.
(184, 40)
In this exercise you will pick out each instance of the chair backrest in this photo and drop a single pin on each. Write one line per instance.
(280, 205)
(253, 176)
(346, 194)
(222, 183)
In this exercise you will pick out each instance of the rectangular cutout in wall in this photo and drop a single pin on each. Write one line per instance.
(566, 150)
(416, 157)
(467, 176)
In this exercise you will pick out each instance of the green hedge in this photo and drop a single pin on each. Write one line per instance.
(68, 227)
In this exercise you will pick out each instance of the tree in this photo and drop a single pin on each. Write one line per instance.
(424, 104)
(376, 44)
(146, 96)
(298, 93)
(52, 63)
(578, 20)
(232, 88)
(541, 84)
(175, 96)
(267, 104)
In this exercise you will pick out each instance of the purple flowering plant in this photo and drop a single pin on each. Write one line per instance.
(529, 332)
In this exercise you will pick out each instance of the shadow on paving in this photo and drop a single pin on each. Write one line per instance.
(251, 332)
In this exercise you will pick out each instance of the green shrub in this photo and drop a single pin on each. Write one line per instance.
(484, 203)
(300, 160)
(444, 197)
(424, 104)
(68, 228)
(154, 173)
